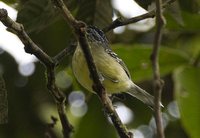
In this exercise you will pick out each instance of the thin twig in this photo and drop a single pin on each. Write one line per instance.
(66, 13)
(121, 22)
(79, 29)
(31, 48)
(158, 83)
(65, 52)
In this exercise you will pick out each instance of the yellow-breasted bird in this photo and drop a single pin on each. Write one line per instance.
(113, 73)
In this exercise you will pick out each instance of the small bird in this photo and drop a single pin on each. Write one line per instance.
(112, 71)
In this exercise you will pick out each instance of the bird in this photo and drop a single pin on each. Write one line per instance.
(113, 73)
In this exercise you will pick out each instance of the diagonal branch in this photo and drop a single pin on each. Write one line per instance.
(158, 83)
(79, 29)
(99, 89)
(31, 48)
(121, 22)
(65, 52)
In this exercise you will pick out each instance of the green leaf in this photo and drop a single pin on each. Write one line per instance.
(95, 12)
(192, 6)
(175, 12)
(53, 38)
(137, 59)
(187, 94)
(191, 46)
(9, 1)
(36, 15)
(190, 22)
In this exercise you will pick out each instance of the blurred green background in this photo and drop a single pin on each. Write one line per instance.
(31, 106)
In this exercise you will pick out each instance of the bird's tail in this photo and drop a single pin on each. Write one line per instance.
(142, 95)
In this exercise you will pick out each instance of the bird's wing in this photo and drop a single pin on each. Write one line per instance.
(114, 55)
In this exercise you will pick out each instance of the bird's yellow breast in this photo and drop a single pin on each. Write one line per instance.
(112, 75)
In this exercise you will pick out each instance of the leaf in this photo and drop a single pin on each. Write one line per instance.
(3, 102)
(36, 15)
(192, 6)
(137, 59)
(187, 94)
(9, 1)
(95, 12)
(53, 38)
(191, 22)
(191, 46)
(175, 12)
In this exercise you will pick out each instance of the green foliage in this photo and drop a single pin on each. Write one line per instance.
(188, 23)
(187, 94)
(190, 46)
(183, 14)
(36, 14)
(95, 12)
(53, 38)
(9, 1)
(191, 6)
(174, 11)
(137, 58)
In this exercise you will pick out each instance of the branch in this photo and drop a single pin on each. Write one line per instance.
(121, 22)
(158, 83)
(65, 52)
(99, 89)
(31, 48)
(79, 29)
